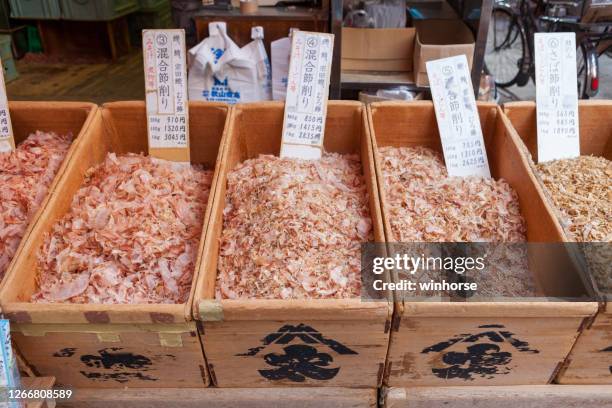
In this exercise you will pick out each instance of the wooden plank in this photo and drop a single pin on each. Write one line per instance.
(590, 361)
(532, 396)
(224, 398)
(38, 383)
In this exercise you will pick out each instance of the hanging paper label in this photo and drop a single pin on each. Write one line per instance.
(457, 116)
(166, 94)
(7, 141)
(307, 92)
(556, 96)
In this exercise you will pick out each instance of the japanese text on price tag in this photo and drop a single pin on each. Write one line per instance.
(457, 116)
(166, 94)
(307, 92)
(7, 142)
(556, 96)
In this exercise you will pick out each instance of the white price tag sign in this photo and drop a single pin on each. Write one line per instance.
(307, 92)
(166, 94)
(457, 116)
(556, 96)
(7, 141)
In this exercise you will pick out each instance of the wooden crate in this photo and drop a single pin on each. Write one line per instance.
(60, 117)
(538, 334)
(523, 396)
(329, 397)
(590, 361)
(239, 334)
(107, 346)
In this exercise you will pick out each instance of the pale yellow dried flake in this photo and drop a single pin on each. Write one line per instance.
(581, 189)
(423, 204)
(292, 229)
(130, 236)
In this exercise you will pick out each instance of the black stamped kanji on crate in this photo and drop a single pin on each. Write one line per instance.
(481, 356)
(302, 360)
(114, 364)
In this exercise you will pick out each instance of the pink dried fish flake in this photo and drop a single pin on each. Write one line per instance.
(292, 229)
(25, 177)
(424, 204)
(130, 236)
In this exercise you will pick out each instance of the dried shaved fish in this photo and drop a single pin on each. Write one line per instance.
(130, 236)
(425, 205)
(292, 229)
(581, 188)
(25, 177)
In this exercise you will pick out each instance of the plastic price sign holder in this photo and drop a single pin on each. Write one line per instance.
(457, 117)
(166, 94)
(7, 141)
(556, 96)
(307, 93)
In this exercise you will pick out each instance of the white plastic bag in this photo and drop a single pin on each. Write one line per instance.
(257, 52)
(280, 51)
(221, 71)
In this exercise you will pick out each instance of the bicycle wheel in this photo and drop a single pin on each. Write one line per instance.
(582, 72)
(505, 49)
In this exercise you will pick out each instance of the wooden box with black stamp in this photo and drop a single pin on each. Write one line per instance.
(590, 361)
(111, 345)
(292, 342)
(461, 343)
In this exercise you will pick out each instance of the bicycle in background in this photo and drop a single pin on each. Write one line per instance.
(510, 55)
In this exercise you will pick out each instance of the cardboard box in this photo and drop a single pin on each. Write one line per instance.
(377, 49)
(436, 39)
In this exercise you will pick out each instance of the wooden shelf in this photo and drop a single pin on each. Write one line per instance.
(264, 13)
(369, 79)
(275, 21)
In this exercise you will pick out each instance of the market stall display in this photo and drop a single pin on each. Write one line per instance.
(152, 342)
(578, 191)
(527, 338)
(342, 341)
